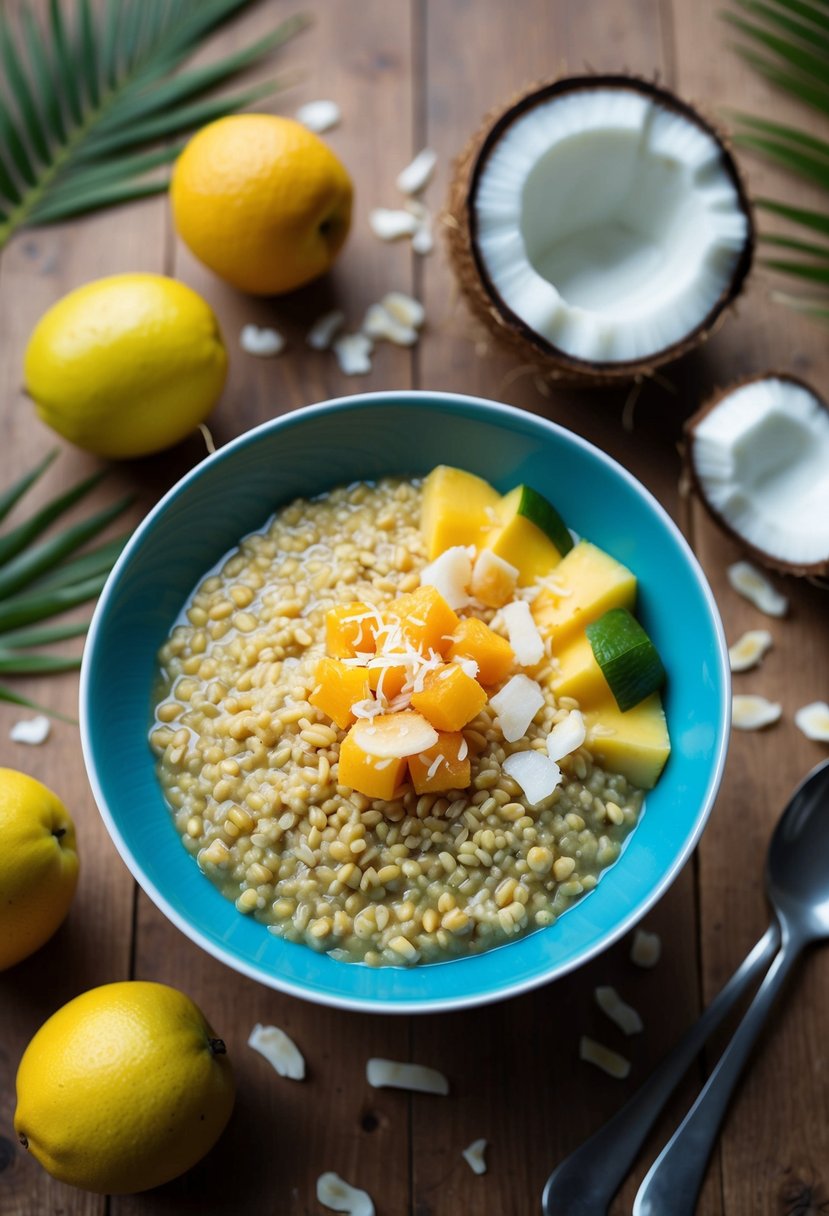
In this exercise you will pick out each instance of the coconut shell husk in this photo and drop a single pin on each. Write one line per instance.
(815, 571)
(458, 223)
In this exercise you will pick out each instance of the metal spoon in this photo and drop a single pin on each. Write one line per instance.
(585, 1182)
(797, 884)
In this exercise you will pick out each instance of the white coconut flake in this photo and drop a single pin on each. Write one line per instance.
(567, 736)
(412, 734)
(753, 585)
(524, 638)
(391, 225)
(264, 343)
(473, 1155)
(31, 730)
(516, 705)
(379, 324)
(325, 328)
(750, 712)
(493, 579)
(319, 116)
(353, 353)
(389, 1074)
(536, 773)
(450, 574)
(646, 949)
(605, 1059)
(813, 720)
(279, 1050)
(339, 1196)
(748, 650)
(624, 1015)
(406, 310)
(423, 241)
(416, 176)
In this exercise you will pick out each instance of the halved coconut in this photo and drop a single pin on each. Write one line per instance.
(758, 454)
(600, 226)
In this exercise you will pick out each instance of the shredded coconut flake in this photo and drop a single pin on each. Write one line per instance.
(340, 1196)
(423, 241)
(625, 1017)
(605, 1059)
(566, 736)
(646, 949)
(406, 310)
(522, 631)
(31, 730)
(463, 750)
(750, 712)
(537, 775)
(353, 353)
(415, 177)
(391, 225)
(389, 1074)
(753, 585)
(813, 720)
(748, 650)
(261, 342)
(473, 1155)
(279, 1050)
(379, 324)
(516, 705)
(319, 116)
(450, 574)
(435, 765)
(325, 328)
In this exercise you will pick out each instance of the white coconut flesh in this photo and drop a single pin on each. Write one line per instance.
(608, 223)
(761, 458)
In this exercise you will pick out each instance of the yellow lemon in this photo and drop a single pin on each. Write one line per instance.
(123, 1089)
(38, 865)
(126, 365)
(262, 201)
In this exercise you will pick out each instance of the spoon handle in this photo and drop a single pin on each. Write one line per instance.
(576, 1187)
(673, 1182)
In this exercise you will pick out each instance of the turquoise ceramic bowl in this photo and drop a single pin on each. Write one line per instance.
(233, 492)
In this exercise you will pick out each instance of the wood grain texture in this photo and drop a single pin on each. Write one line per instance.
(408, 74)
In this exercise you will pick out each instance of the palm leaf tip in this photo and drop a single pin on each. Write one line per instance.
(77, 99)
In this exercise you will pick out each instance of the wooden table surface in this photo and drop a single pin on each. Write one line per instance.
(409, 75)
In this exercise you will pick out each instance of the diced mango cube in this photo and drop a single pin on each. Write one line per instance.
(387, 681)
(585, 584)
(337, 689)
(374, 776)
(634, 743)
(577, 674)
(493, 579)
(456, 509)
(349, 628)
(441, 767)
(474, 640)
(450, 698)
(428, 621)
(519, 541)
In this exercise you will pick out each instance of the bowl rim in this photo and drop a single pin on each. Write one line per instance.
(458, 403)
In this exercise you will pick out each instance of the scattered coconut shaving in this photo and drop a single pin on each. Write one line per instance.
(380, 325)
(516, 705)
(334, 1193)
(279, 1050)
(353, 353)
(748, 650)
(567, 736)
(522, 631)
(473, 1155)
(264, 343)
(450, 574)
(536, 774)
(389, 1074)
(423, 240)
(813, 720)
(392, 225)
(605, 1059)
(750, 712)
(624, 1015)
(319, 116)
(325, 328)
(646, 950)
(417, 175)
(753, 585)
(406, 310)
(31, 730)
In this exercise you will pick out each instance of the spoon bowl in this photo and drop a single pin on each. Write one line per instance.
(797, 866)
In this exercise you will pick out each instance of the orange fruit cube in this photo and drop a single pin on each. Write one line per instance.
(474, 640)
(349, 628)
(427, 619)
(387, 682)
(337, 689)
(450, 698)
(374, 776)
(441, 767)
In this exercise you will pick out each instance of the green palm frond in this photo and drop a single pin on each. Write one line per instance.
(86, 100)
(41, 578)
(787, 41)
